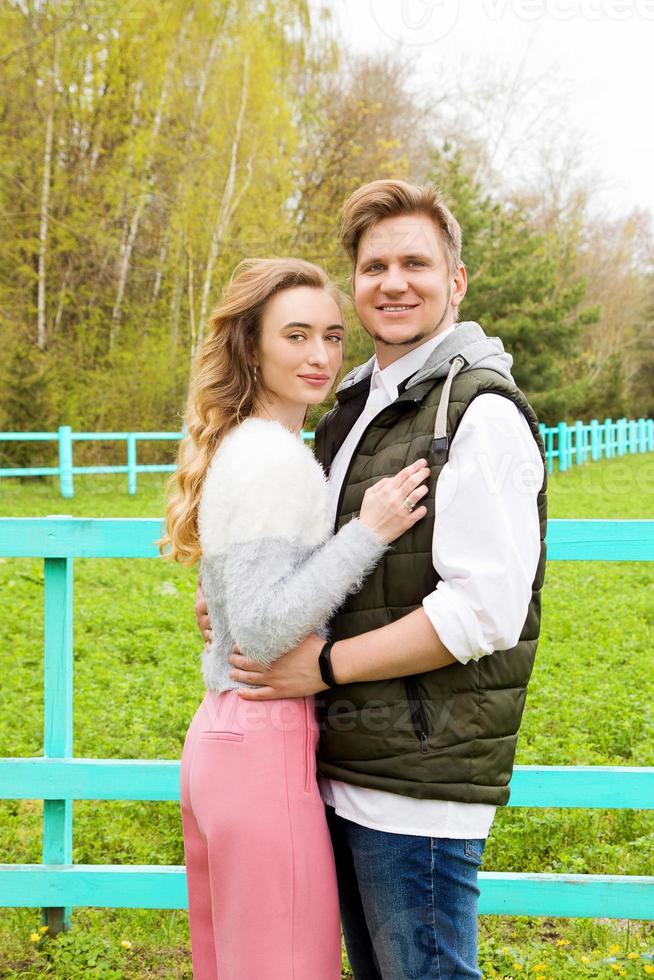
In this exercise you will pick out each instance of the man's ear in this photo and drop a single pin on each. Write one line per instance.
(459, 286)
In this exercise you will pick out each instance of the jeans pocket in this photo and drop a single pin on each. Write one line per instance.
(474, 848)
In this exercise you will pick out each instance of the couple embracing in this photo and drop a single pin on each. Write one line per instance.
(377, 603)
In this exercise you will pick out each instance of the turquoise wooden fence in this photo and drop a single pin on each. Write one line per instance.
(57, 778)
(567, 444)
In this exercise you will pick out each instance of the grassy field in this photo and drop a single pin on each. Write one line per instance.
(138, 683)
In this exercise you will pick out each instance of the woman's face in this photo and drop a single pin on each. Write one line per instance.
(300, 348)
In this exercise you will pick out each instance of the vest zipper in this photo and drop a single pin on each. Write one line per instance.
(417, 709)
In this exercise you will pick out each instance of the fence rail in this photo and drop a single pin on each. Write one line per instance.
(57, 778)
(567, 444)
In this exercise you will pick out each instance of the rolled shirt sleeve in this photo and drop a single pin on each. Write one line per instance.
(486, 540)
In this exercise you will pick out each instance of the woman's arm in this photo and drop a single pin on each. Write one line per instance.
(275, 592)
(265, 531)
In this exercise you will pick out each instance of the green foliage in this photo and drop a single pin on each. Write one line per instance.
(170, 130)
(143, 154)
(81, 954)
(518, 288)
(26, 405)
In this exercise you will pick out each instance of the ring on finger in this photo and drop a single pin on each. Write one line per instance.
(408, 504)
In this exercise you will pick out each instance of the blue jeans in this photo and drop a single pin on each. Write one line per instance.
(408, 904)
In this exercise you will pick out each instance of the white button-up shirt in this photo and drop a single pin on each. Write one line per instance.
(485, 548)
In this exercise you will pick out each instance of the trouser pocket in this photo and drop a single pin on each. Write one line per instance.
(309, 746)
(222, 736)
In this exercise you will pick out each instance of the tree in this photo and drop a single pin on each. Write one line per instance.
(26, 405)
(518, 288)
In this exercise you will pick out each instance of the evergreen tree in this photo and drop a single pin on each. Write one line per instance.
(518, 288)
(26, 405)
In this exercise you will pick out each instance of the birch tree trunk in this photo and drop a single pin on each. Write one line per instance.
(41, 329)
(178, 286)
(147, 181)
(228, 205)
(191, 300)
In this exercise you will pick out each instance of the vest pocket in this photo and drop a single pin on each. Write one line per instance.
(418, 713)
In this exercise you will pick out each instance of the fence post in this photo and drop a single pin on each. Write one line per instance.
(131, 463)
(58, 721)
(650, 435)
(562, 441)
(608, 438)
(542, 428)
(579, 439)
(66, 461)
(550, 449)
(621, 436)
(642, 436)
(633, 434)
(594, 439)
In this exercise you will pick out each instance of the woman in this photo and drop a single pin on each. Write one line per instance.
(251, 503)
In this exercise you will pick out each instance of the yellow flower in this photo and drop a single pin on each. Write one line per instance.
(35, 937)
(585, 959)
(43, 929)
(614, 949)
(649, 969)
(504, 950)
(125, 943)
(562, 942)
(633, 956)
(517, 967)
(539, 966)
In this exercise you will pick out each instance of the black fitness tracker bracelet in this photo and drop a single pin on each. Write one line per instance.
(325, 664)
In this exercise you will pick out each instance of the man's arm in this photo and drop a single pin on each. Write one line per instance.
(488, 552)
(408, 646)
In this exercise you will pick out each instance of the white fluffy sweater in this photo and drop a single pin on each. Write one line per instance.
(272, 571)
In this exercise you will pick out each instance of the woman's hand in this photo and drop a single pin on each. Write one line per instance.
(388, 506)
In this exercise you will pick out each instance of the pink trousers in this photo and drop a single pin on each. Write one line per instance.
(263, 901)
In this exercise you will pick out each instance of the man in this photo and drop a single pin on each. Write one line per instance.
(422, 685)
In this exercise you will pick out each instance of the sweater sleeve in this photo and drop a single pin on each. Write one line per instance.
(268, 552)
(276, 593)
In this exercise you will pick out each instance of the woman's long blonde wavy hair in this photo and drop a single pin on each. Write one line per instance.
(223, 390)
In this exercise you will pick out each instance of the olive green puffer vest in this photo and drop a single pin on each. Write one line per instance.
(449, 734)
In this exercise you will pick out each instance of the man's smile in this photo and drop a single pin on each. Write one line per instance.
(396, 307)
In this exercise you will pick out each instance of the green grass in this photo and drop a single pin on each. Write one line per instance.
(138, 683)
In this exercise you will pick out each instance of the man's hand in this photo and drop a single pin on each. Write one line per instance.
(295, 675)
(202, 614)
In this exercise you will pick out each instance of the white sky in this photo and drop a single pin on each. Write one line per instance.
(594, 57)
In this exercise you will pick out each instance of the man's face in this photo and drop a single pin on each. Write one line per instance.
(404, 290)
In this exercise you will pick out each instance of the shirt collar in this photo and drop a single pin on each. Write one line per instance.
(390, 377)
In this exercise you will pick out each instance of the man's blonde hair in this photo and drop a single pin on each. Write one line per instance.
(389, 199)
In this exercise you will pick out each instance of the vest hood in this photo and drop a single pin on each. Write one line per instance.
(467, 339)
